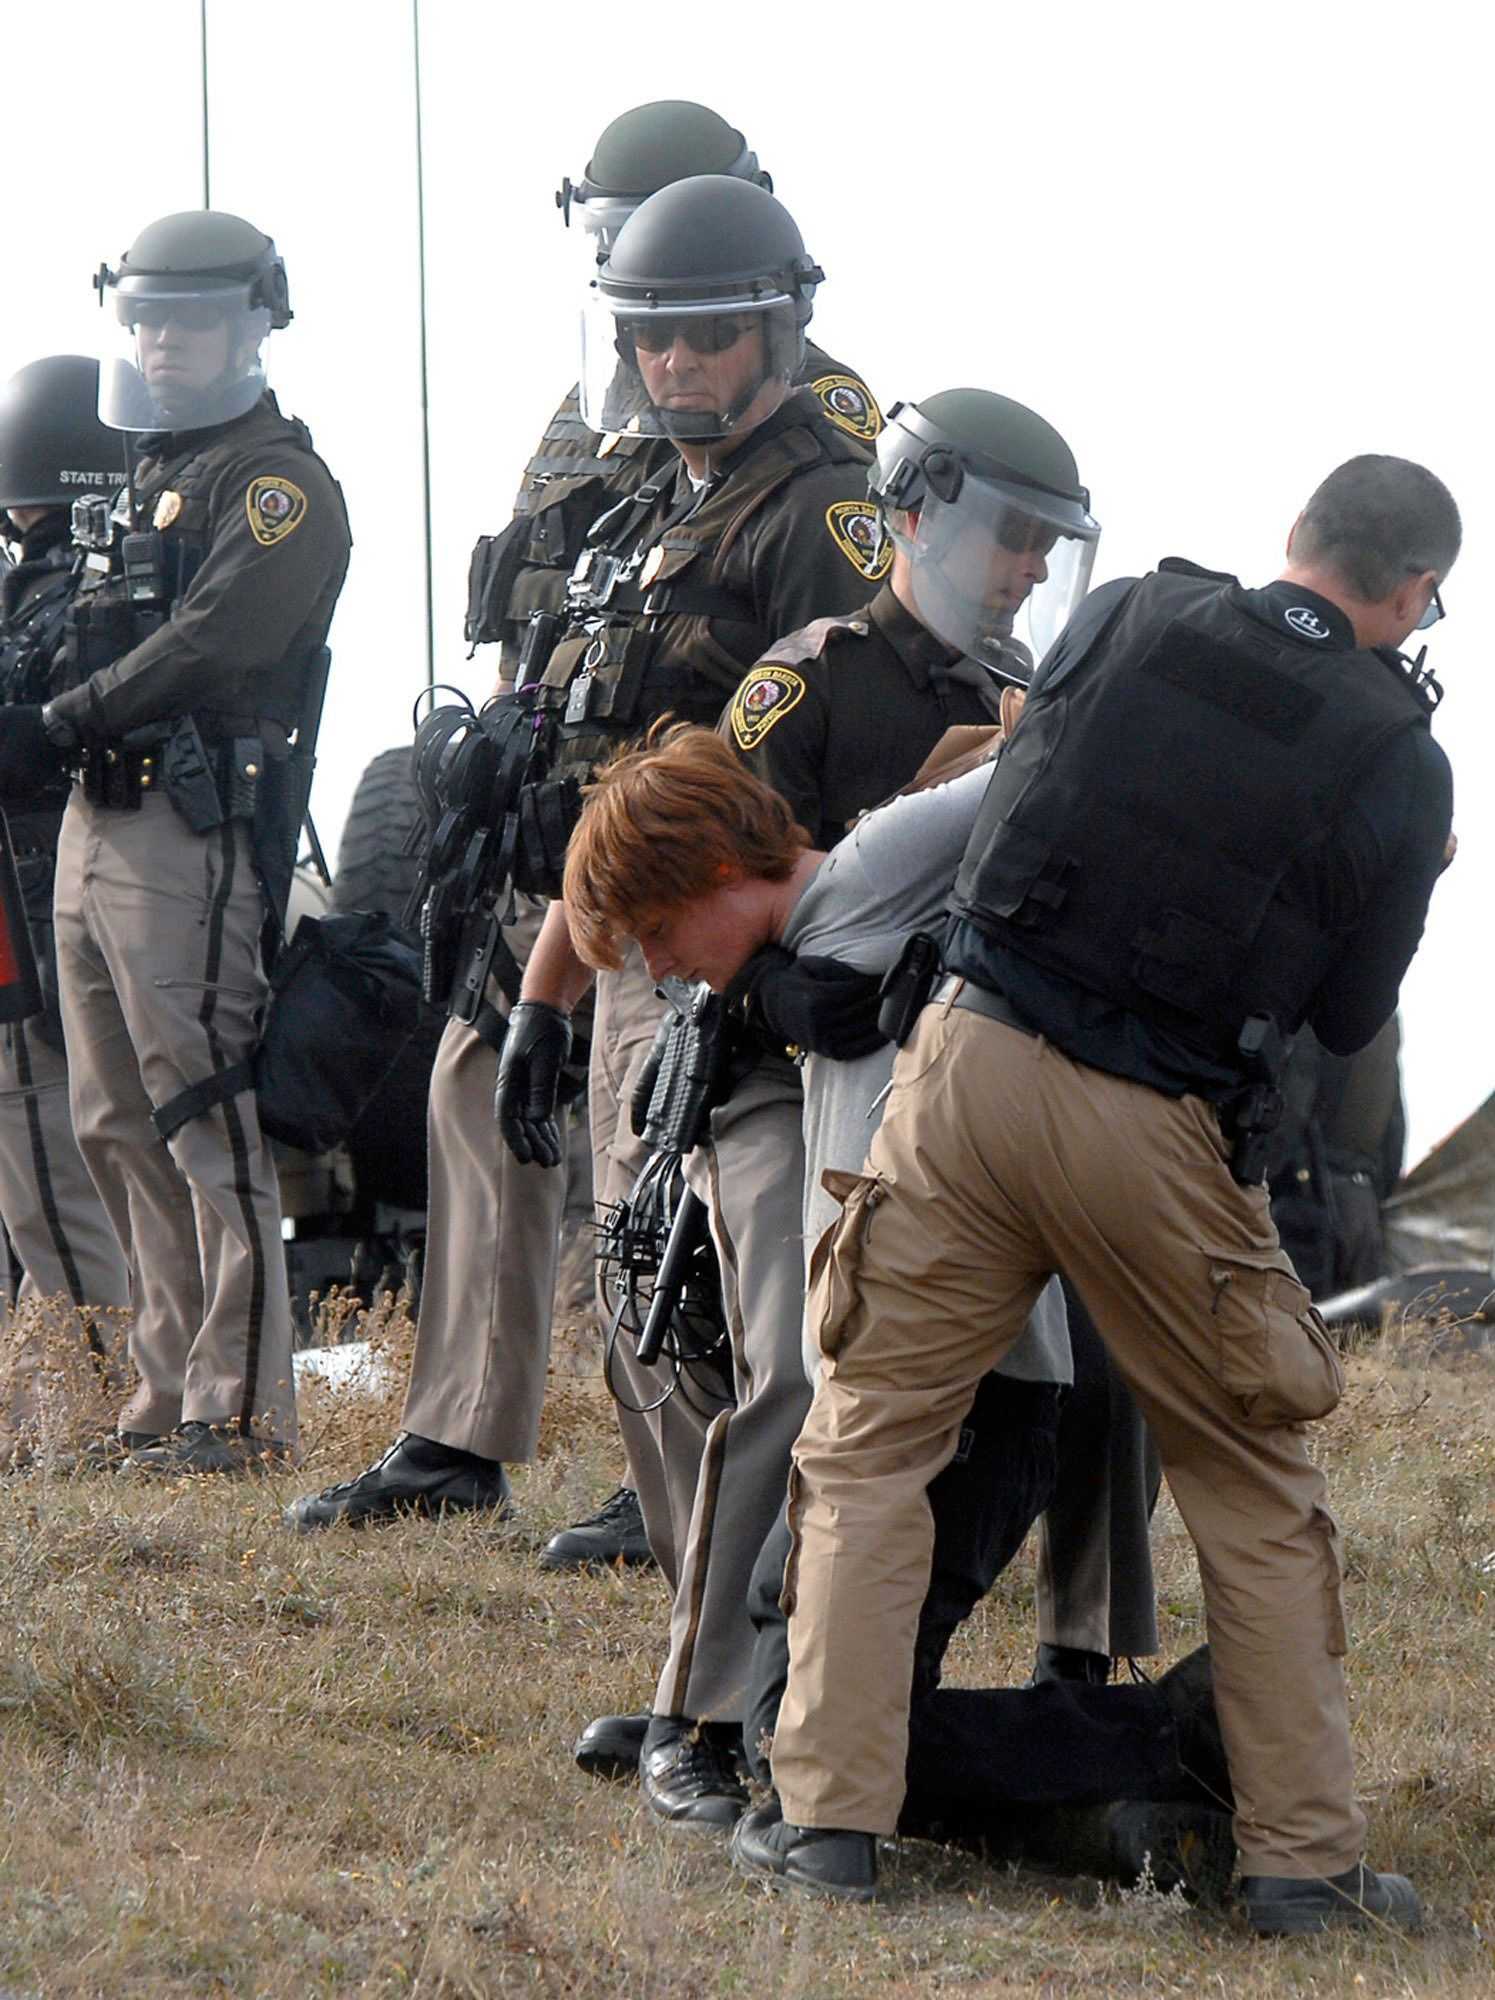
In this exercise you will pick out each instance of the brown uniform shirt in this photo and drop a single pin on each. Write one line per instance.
(267, 519)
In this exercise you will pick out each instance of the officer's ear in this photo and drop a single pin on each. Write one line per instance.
(1292, 535)
(1406, 604)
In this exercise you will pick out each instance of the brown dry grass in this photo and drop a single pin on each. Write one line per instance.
(235, 1762)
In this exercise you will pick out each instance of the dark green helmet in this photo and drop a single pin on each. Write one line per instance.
(650, 146)
(192, 303)
(202, 251)
(992, 520)
(52, 446)
(934, 442)
(708, 260)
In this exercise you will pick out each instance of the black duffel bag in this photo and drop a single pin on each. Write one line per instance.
(344, 1000)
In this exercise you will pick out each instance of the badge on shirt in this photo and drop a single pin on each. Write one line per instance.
(762, 700)
(849, 405)
(857, 531)
(167, 508)
(276, 509)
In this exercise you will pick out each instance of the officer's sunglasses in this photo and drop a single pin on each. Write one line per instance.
(191, 315)
(1433, 613)
(718, 334)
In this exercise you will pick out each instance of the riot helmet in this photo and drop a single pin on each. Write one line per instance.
(52, 446)
(983, 498)
(703, 299)
(190, 307)
(644, 150)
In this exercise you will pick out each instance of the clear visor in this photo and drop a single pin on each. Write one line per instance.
(683, 370)
(998, 564)
(599, 218)
(179, 360)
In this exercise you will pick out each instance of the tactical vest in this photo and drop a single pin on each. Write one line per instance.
(519, 576)
(659, 623)
(172, 498)
(30, 667)
(1157, 830)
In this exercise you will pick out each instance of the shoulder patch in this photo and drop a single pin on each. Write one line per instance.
(764, 698)
(275, 508)
(849, 404)
(857, 531)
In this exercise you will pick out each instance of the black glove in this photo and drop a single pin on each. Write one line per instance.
(29, 759)
(529, 1080)
(809, 1003)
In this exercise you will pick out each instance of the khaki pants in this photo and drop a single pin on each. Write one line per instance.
(751, 1175)
(998, 1162)
(50, 1206)
(663, 1444)
(161, 984)
(477, 1380)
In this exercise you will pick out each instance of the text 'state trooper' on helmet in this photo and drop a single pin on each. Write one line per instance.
(984, 498)
(189, 310)
(645, 149)
(52, 446)
(710, 261)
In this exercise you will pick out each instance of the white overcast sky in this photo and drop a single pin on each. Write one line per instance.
(1221, 248)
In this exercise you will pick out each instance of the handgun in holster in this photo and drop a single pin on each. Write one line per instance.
(1254, 1113)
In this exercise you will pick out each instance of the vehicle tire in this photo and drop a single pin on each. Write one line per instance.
(375, 870)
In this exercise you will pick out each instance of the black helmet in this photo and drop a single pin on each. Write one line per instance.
(1000, 538)
(646, 149)
(52, 446)
(201, 270)
(708, 250)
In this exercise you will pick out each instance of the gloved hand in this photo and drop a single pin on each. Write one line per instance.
(29, 760)
(810, 1003)
(529, 1078)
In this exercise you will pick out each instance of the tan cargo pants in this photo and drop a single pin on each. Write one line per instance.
(482, 1347)
(51, 1210)
(161, 985)
(998, 1162)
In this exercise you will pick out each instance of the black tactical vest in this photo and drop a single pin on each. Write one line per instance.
(1157, 830)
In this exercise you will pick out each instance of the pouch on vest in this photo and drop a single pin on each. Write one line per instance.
(345, 999)
(491, 574)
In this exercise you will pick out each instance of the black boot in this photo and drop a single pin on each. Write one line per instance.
(415, 1476)
(1069, 1663)
(1283, 1905)
(610, 1746)
(614, 1534)
(831, 1861)
(689, 1771)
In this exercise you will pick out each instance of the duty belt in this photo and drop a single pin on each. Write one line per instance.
(960, 992)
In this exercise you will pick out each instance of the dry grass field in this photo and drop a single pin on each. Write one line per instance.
(236, 1762)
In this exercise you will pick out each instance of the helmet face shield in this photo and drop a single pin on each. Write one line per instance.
(992, 562)
(683, 368)
(180, 354)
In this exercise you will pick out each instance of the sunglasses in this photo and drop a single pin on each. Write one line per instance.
(191, 315)
(718, 335)
(1433, 613)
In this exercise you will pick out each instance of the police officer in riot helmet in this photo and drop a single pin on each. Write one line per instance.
(53, 451)
(191, 663)
(478, 1374)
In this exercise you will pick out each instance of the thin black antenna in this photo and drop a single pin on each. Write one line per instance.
(425, 407)
(202, 39)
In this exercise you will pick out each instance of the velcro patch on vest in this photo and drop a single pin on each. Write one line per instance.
(765, 698)
(857, 531)
(1252, 692)
(849, 404)
(276, 509)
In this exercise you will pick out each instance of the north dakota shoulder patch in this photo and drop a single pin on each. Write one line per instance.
(764, 698)
(276, 509)
(857, 531)
(849, 404)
